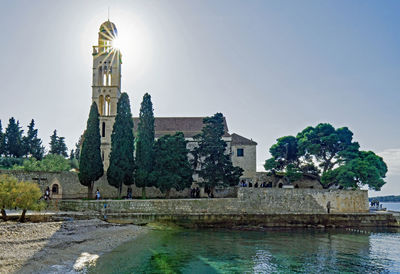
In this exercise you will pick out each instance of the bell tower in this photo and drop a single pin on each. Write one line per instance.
(106, 84)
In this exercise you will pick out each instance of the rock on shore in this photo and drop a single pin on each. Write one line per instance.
(59, 247)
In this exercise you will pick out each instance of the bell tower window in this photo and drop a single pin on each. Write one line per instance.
(107, 105)
(101, 105)
(103, 130)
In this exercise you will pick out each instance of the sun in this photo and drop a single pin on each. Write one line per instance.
(116, 43)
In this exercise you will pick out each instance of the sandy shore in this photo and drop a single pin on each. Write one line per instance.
(59, 247)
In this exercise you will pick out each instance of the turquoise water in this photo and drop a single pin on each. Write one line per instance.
(271, 251)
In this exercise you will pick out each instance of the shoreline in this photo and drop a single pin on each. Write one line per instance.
(59, 246)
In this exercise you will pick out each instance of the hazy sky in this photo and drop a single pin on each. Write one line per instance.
(271, 67)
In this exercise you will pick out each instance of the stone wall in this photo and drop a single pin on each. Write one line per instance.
(249, 201)
(70, 188)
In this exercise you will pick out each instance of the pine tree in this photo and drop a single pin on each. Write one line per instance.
(91, 164)
(122, 167)
(32, 144)
(57, 145)
(13, 139)
(215, 164)
(144, 145)
(53, 143)
(171, 167)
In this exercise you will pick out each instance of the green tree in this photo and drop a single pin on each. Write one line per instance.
(21, 194)
(57, 145)
(145, 145)
(32, 144)
(172, 168)
(2, 141)
(91, 164)
(211, 156)
(284, 153)
(78, 148)
(13, 139)
(329, 146)
(50, 163)
(122, 165)
(366, 169)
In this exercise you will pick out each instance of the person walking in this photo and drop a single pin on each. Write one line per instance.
(98, 194)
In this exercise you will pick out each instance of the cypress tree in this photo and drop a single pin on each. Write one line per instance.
(2, 140)
(171, 166)
(91, 164)
(13, 139)
(215, 163)
(122, 163)
(145, 145)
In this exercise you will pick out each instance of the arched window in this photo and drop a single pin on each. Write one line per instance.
(280, 185)
(107, 105)
(296, 186)
(54, 189)
(101, 105)
(103, 130)
(109, 79)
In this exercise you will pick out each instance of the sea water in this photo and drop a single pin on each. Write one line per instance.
(269, 251)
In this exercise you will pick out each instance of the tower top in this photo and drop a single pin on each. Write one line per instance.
(108, 28)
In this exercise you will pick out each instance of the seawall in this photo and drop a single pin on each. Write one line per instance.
(252, 208)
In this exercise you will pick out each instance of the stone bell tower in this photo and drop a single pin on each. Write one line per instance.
(106, 85)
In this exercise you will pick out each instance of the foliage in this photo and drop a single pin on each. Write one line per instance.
(328, 145)
(172, 168)
(13, 139)
(9, 162)
(77, 152)
(57, 145)
(21, 194)
(330, 153)
(91, 164)
(144, 145)
(2, 141)
(211, 156)
(367, 169)
(32, 145)
(122, 163)
(50, 163)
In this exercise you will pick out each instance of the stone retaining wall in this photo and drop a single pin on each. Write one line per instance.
(249, 201)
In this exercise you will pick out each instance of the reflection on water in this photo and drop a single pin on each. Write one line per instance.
(301, 251)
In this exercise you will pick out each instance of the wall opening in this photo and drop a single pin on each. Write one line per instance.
(296, 186)
(107, 105)
(280, 185)
(54, 189)
(101, 105)
(103, 129)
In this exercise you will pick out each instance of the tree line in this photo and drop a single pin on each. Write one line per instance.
(137, 158)
(14, 144)
(329, 154)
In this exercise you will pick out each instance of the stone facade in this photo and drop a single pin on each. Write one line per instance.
(248, 201)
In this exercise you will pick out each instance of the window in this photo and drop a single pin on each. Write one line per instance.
(54, 189)
(240, 152)
(103, 130)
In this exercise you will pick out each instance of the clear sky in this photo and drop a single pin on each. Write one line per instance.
(271, 67)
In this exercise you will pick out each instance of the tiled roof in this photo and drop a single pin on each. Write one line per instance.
(240, 140)
(190, 126)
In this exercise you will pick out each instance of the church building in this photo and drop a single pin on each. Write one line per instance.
(106, 90)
